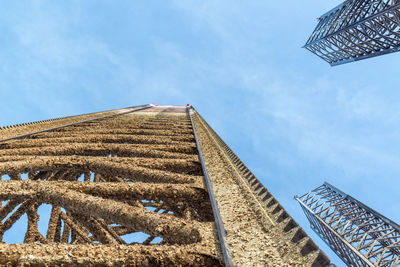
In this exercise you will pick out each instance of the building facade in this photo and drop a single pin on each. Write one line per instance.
(140, 186)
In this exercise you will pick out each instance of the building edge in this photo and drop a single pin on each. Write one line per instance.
(298, 243)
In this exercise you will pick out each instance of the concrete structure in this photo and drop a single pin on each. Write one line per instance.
(141, 186)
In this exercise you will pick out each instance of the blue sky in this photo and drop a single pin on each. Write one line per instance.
(293, 119)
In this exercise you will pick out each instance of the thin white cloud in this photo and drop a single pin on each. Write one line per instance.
(295, 119)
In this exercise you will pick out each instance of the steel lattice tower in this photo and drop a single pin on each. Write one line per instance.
(86, 184)
(356, 30)
(359, 235)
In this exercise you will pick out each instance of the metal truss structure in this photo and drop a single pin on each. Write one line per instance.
(356, 30)
(359, 235)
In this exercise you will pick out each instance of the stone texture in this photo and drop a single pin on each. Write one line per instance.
(256, 236)
(137, 172)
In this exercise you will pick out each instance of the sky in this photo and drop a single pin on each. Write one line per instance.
(294, 120)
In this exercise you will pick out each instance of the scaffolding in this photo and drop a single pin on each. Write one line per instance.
(356, 30)
(359, 235)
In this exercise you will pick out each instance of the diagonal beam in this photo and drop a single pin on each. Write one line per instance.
(169, 227)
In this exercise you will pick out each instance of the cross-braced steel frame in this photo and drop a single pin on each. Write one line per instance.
(359, 235)
(356, 30)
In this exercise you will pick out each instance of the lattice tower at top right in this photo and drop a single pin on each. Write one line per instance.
(356, 30)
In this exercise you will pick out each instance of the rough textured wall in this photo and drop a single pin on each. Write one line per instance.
(19, 129)
(259, 231)
(106, 180)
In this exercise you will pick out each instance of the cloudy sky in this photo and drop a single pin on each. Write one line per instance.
(293, 119)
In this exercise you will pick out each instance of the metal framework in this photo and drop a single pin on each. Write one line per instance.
(359, 235)
(356, 30)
